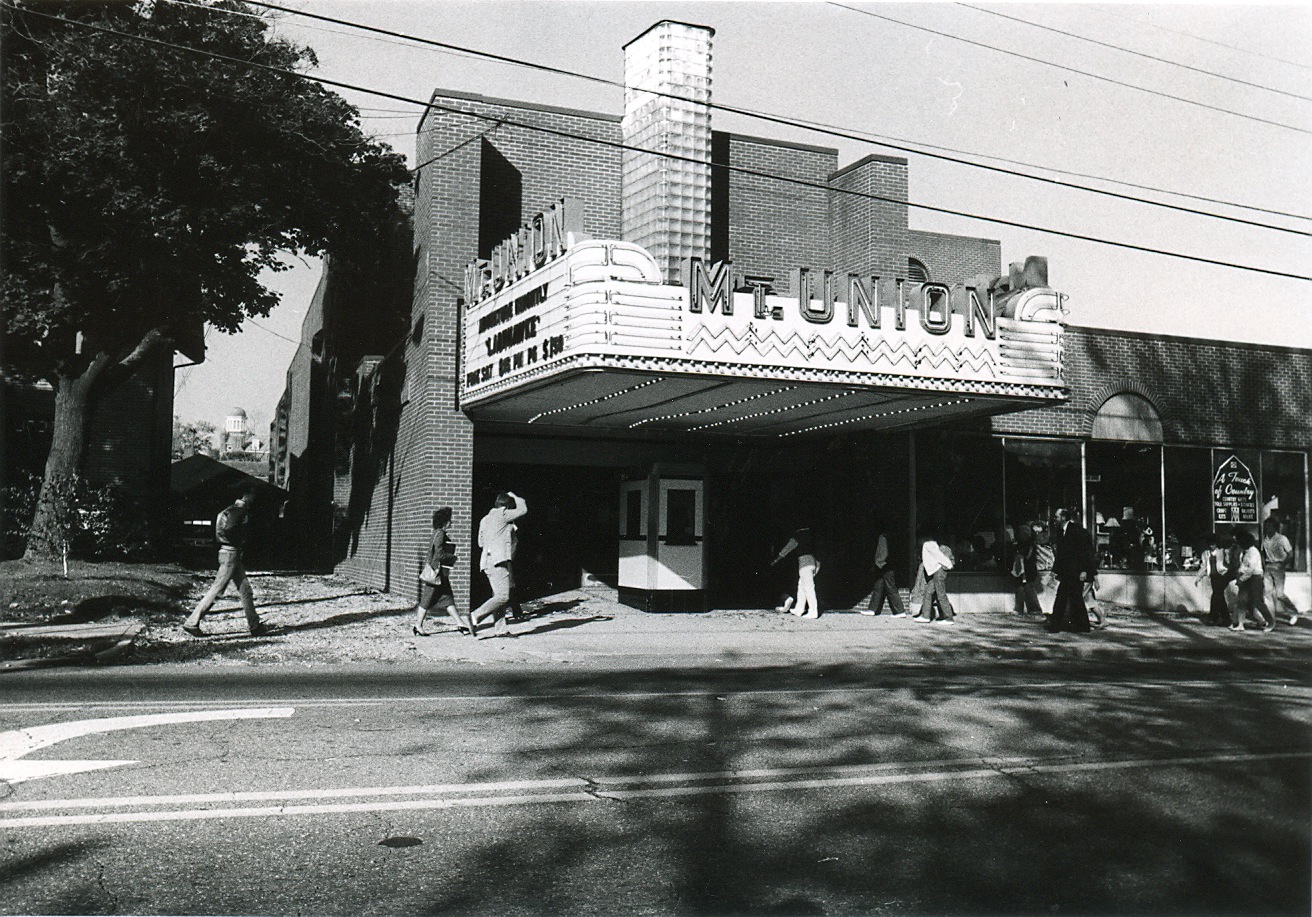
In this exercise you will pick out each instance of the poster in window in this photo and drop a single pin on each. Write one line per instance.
(1234, 493)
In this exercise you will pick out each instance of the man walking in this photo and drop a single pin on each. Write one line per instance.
(1279, 552)
(885, 582)
(936, 560)
(230, 530)
(1074, 565)
(496, 536)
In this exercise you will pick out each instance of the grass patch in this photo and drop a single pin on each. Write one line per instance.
(35, 592)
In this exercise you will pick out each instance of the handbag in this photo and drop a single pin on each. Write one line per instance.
(428, 576)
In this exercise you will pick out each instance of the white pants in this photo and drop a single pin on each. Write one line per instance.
(806, 592)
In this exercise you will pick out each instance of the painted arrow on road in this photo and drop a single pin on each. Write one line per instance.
(17, 743)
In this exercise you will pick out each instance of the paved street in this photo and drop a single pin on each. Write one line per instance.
(1090, 784)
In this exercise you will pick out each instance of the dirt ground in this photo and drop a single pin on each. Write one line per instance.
(315, 619)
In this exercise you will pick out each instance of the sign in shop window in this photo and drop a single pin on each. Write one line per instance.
(1234, 493)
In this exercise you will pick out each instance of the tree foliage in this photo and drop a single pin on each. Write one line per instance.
(194, 438)
(146, 188)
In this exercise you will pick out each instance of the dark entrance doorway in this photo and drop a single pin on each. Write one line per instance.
(572, 525)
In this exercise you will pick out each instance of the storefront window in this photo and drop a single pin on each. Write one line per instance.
(1125, 504)
(1041, 475)
(959, 491)
(1188, 513)
(1284, 496)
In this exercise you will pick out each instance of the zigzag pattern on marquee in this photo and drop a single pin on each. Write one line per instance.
(795, 344)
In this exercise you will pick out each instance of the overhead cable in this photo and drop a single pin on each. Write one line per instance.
(827, 129)
(1151, 57)
(432, 106)
(1107, 11)
(1048, 63)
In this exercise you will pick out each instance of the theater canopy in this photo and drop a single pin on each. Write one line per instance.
(559, 331)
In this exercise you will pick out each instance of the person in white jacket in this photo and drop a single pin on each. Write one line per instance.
(496, 536)
(1251, 598)
(936, 562)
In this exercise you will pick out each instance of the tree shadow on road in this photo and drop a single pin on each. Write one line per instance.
(1119, 806)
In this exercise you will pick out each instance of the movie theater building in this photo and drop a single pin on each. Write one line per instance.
(678, 359)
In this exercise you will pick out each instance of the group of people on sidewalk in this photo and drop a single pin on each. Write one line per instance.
(497, 537)
(1239, 573)
(1240, 576)
(1074, 565)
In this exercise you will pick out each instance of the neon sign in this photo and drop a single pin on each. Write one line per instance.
(545, 237)
(711, 289)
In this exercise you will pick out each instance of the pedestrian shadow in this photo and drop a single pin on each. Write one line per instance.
(314, 601)
(564, 624)
(549, 608)
(346, 619)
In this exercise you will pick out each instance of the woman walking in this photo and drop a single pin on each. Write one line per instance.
(434, 579)
(1025, 568)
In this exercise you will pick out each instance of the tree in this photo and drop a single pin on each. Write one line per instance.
(146, 188)
(192, 438)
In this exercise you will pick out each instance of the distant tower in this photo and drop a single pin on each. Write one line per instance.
(235, 431)
(667, 94)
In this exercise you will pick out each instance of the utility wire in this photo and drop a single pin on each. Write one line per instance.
(1219, 44)
(1151, 57)
(830, 130)
(432, 106)
(1048, 63)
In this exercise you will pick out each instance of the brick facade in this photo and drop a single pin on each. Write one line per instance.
(869, 217)
(1206, 392)
(775, 227)
(954, 259)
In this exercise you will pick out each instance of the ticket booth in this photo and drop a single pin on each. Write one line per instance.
(662, 540)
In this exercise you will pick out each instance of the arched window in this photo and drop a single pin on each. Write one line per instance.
(916, 271)
(1128, 417)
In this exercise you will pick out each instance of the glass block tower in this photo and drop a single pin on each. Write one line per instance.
(667, 199)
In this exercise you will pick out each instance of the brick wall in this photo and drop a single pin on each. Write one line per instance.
(869, 216)
(954, 259)
(1207, 392)
(430, 462)
(776, 227)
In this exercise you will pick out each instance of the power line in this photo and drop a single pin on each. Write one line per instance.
(1190, 35)
(830, 130)
(1151, 57)
(665, 155)
(1047, 63)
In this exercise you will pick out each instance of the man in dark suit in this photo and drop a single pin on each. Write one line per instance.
(1075, 565)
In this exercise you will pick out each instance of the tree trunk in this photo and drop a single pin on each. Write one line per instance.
(54, 506)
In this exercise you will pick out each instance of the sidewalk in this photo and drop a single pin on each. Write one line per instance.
(327, 620)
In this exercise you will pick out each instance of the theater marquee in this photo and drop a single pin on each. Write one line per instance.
(587, 333)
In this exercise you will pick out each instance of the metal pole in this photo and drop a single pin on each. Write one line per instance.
(912, 558)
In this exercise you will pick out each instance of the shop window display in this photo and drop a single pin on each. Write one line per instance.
(1188, 516)
(960, 497)
(1041, 476)
(1125, 504)
(1284, 495)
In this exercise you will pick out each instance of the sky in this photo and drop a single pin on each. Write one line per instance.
(1221, 116)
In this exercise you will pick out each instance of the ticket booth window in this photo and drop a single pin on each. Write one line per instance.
(633, 515)
(681, 517)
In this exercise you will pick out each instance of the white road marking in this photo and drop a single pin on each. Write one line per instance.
(595, 790)
(18, 743)
(1279, 687)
